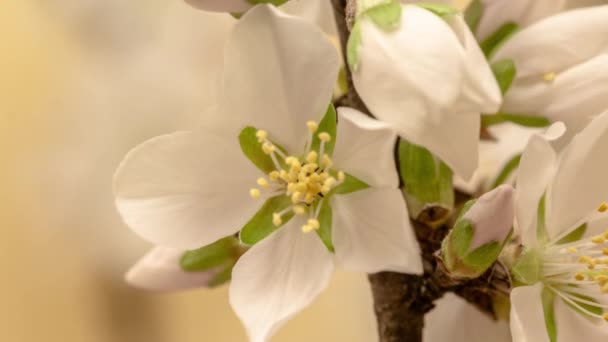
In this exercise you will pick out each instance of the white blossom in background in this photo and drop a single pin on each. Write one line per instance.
(562, 68)
(189, 189)
(565, 241)
(428, 78)
(497, 13)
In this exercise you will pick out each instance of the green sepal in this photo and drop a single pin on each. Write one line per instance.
(520, 119)
(328, 124)
(506, 171)
(222, 277)
(548, 300)
(387, 16)
(350, 184)
(352, 46)
(252, 149)
(491, 44)
(473, 14)
(526, 269)
(261, 225)
(325, 226)
(504, 72)
(210, 256)
(575, 235)
(439, 9)
(427, 181)
(481, 258)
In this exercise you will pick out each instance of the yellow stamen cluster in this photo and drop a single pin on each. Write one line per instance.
(595, 260)
(306, 180)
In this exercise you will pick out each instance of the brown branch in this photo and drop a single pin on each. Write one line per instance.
(402, 300)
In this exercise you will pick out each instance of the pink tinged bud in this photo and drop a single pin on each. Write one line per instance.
(159, 270)
(492, 216)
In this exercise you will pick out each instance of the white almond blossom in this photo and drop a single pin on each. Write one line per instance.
(562, 68)
(189, 189)
(560, 212)
(429, 79)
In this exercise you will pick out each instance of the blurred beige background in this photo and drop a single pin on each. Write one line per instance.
(81, 82)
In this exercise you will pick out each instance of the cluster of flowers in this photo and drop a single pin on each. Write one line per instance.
(280, 186)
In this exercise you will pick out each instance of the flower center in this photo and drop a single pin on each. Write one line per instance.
(578, 272)
(306, 179)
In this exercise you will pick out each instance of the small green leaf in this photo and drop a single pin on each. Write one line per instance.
(261, 225)
(327, 124)
(522, 120)
(223, 276)
(527, 267)
(575, 235)
(350, 184)
(386, 16)
(504, 71)
(252, 149)
(439, 9)
(352, 46)
(507, 170)
(325, 221)
(211, 256)
(496, 39)
(548, 300)
(461, 236)
(473, 14)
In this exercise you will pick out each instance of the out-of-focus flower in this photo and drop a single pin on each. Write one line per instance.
(561, 68)
(434, 97)
(565, 258)
(189, 189)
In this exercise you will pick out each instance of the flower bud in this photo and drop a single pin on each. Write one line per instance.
(478, 236)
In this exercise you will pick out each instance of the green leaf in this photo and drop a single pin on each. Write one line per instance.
(352, 46)
(548, 300)
(427, 181)
(327, 124)
(473, 14)
(522, 120)
(575, 235)
(527, 267)
(350, 184)
(439, 9)
(461, 236)
(252, 149)
(505, 72)
(211, 256)
(506, 171)
(496, 39)
(325, 221)
(261, 225)
(386, 16)
(223, 276)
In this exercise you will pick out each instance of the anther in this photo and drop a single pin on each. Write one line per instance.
(604, 289)
(605, 251)
(268, 148)
(276, 219)
(579, 277)
(572, 249)
(312, 157)
(312, 126)
(606, 317)
(603, 208)
(261, 135)
(299, 210)
(327, 161)
(273, 175)
(549, 77)
(296, 197)
(254, 193)
(324, 137)
(310, 197)
(598, 239)
(290, 160)
(263, 182)
(314, 223)
(307, 228)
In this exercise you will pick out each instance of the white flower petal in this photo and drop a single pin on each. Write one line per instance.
(412, 71)
(536, 168)
(558, 42)
(275, 82)
(159, 270)
(277, 278)
(372, 232)
(522, 12)
(365, 148)
(527, 314)
(232, 6)
(574, 97)
(319, 12)
(186, 189)
(455, 320)
(572, 326)
(480, 91)
(580, 185)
